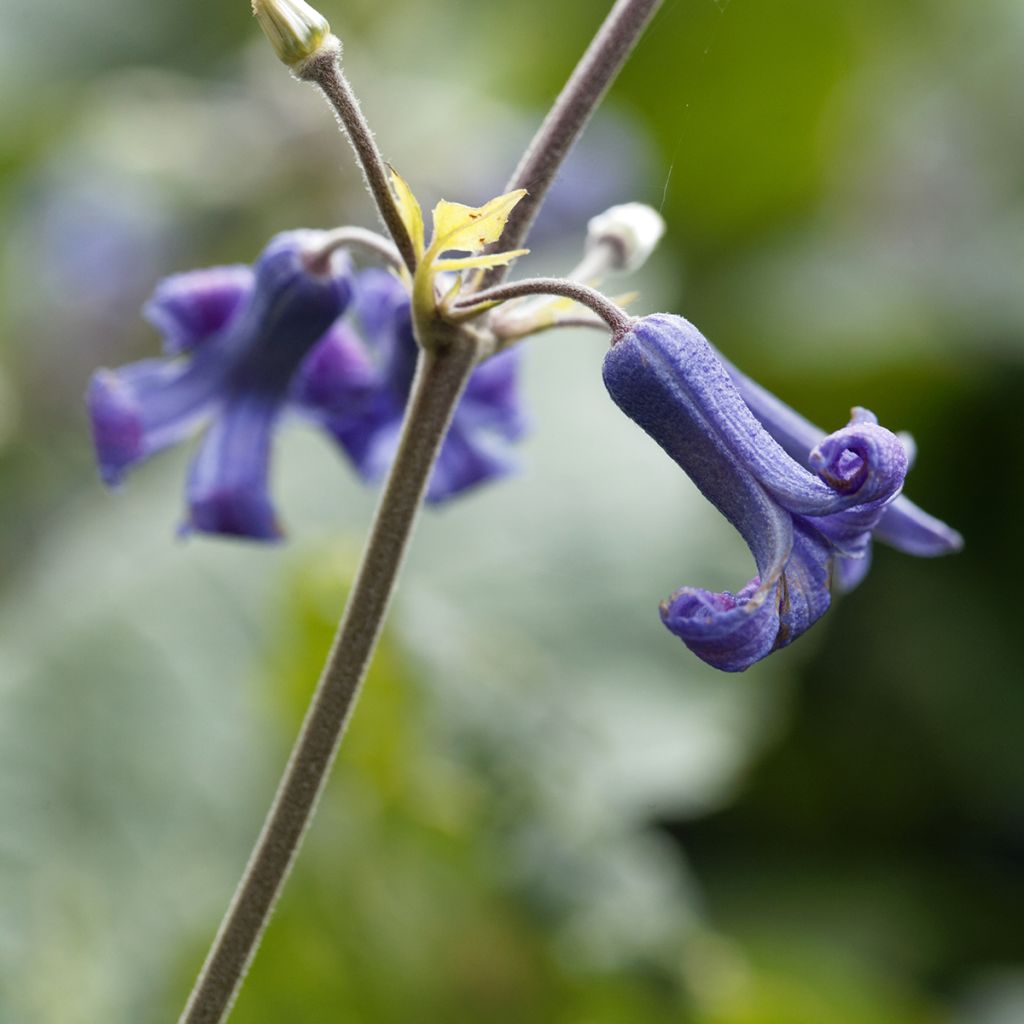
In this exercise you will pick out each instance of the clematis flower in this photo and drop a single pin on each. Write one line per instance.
(489, 417)
(244, 345)
(797, 520)
(234, 338)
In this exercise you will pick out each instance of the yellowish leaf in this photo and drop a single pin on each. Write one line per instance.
(497, 259)
(471, 228)
(409, 209)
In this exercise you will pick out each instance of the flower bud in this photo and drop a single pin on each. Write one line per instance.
(632, 230)
(295, 30)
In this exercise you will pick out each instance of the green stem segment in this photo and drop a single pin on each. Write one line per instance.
(440, 380)
(566, 120)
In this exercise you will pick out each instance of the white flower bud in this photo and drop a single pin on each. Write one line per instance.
(294, 29)
(632, 230)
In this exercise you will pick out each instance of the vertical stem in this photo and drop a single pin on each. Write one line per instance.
(440, 380)
(583, 92)
(324, 70)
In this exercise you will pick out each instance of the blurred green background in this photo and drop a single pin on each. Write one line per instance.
(547, 810)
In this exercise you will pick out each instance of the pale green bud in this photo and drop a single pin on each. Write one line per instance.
(294, 29)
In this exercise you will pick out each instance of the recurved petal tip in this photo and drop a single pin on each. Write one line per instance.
(863, 460)
(116, 426)
(728, 631)
(189, 309)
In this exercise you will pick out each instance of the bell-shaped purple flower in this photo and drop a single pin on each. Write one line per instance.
(245, 345)
(489, 417)
(797, 523)
(235, 339)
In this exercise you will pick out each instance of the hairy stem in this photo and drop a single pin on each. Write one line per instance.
(614, 316)
(324, 70)
(583, 92)
(358, 238)
(440, 380)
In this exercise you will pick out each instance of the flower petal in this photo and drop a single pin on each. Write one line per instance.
(336, 377)
(370, 438)
(189, 309)
(908, 528)
(849, 572)
(290, 309)
(487, 417)
(728, 631)
(467, 459)
(142, 407)
(491, 401)
(227, 485)
(903, 525)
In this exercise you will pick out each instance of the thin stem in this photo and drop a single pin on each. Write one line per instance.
(359, 238)
(614, 316)
(324, 70)
(440, 379)
(579, 98)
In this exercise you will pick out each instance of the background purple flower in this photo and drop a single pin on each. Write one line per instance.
(243, 334)
(243, 345)
(488, 419)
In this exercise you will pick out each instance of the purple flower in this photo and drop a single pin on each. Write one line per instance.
(234, 339)
(798, 524)
(489, 417)
(245, 345)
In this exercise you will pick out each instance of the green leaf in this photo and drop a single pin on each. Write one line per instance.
(497, 259)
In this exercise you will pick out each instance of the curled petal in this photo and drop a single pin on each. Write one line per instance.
(227, 486)
(733, 631)
(145, 406)
(903, 525)
(189, 309)
(728, 631)
(863, 460)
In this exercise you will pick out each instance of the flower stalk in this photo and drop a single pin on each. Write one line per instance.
(442, 374)
(440, 380)
(616, 318)
(323, 69)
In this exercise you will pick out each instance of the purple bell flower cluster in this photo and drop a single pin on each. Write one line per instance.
(302, 334)
(807, 504)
